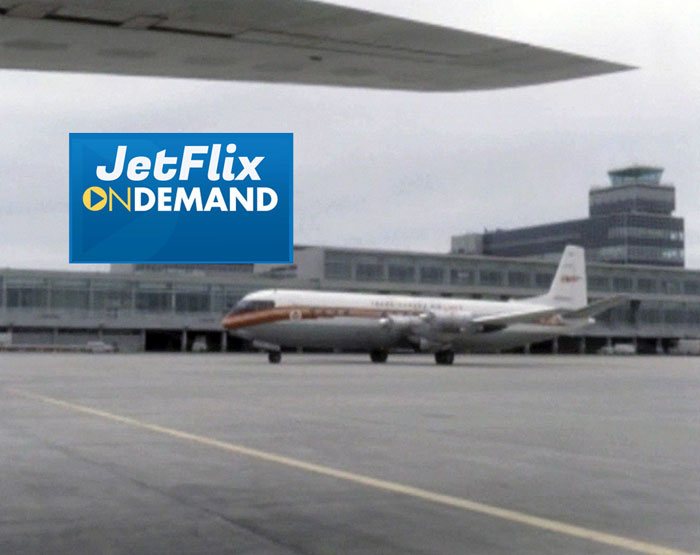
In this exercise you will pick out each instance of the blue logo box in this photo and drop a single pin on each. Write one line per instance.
(181, 197)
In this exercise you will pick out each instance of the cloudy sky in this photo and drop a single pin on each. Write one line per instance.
(398, 169)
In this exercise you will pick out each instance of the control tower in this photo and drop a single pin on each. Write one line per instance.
(630, 221)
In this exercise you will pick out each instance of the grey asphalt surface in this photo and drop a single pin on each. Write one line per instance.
(607, 444)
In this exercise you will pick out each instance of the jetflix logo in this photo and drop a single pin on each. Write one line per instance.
(181, 197)
(177, 198)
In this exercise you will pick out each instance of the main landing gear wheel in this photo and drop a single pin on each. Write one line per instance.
(378, 356)
(445, 357)
(274, 357)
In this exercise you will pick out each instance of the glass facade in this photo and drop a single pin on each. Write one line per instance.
(432, 274)
(369, 271)
(106, 295)
(518, 279)
(462, 276)
(646, 199)
(664, 301)
(646, 285)
(192, 298)
(598, 283)
(543, 280)
(648, 175)
(490, 277)
(71, 294)
(111, 295)
(26, 292)
(622, 284)
(153, 298)
(401, 269)
(338, 266)
(401, 273)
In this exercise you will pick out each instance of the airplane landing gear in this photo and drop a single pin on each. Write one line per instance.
(378, 356)
(444, 357)
(274, 357)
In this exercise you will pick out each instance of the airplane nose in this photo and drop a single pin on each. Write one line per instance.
(226, 322)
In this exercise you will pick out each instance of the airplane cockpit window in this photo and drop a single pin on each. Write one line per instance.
(251, 306)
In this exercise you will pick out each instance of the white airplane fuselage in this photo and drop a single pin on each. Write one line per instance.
(366, 322)
(276, 318)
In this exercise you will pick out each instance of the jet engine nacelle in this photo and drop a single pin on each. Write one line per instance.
(398, 321)
(449, 322)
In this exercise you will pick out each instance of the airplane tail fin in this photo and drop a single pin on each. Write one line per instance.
(568, 290)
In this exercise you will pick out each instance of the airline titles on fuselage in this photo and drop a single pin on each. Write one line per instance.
(393, 304)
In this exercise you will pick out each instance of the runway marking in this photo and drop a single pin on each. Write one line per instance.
(385, 485)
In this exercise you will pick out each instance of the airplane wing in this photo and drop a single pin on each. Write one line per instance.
(597, 307)
(284, 41)
(516, 317)
(533, 315)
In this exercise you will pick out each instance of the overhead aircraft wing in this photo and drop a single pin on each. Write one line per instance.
(284, 41)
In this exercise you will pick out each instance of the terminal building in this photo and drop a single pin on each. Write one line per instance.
(630, 221)
(174, 308)
(633, 242)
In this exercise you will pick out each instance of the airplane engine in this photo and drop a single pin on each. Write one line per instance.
(396, 321)
(449, 322)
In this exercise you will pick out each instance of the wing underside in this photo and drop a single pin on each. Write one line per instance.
(291, 41)
(516, 317)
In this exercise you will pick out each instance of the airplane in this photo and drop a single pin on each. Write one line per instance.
(376, 323)
(279, 41)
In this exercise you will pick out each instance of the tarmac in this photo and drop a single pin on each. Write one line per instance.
(321, 454)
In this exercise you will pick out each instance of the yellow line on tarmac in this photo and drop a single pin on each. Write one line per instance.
(384, 485)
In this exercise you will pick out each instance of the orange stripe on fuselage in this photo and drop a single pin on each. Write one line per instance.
(298, 312)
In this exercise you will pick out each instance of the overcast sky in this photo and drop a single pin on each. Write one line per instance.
(397, 169)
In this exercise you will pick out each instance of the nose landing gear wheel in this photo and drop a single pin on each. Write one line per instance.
(445, 357)
(378, 356)
(274, 357)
